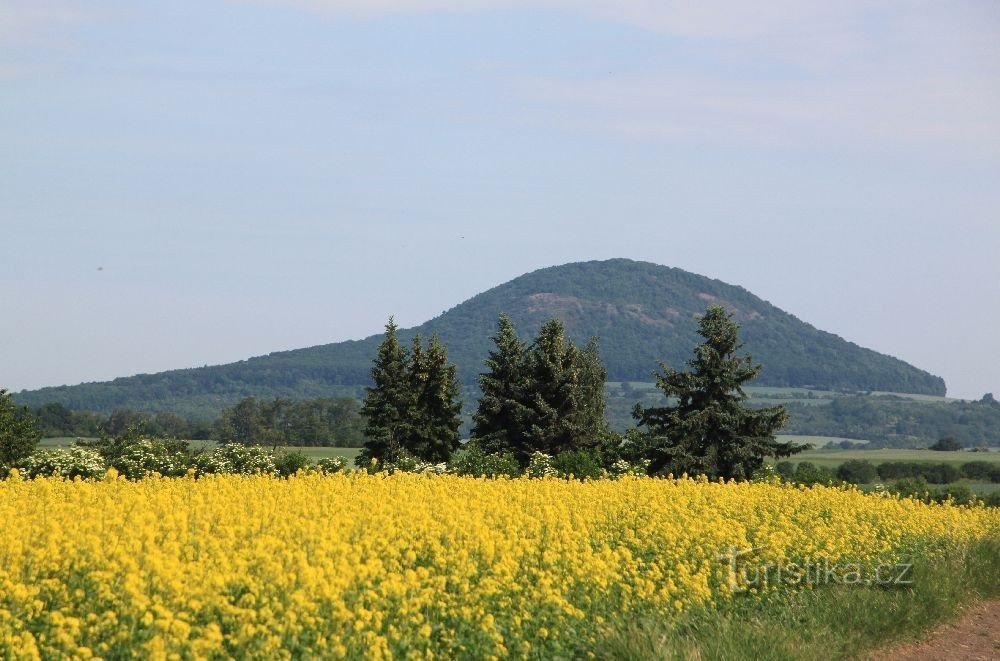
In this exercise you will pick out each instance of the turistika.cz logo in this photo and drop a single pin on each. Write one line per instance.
(745, 574)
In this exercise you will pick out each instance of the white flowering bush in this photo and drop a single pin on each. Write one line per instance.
(331, 464)
(145, 457)
(622, 468)
(540, 465)
(71, 462)
(236, 458)
(406, 463)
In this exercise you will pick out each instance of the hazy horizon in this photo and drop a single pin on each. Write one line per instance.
(197, 183)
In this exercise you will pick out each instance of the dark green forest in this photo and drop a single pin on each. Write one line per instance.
(642, 313)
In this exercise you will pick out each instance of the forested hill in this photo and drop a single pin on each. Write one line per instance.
(642, 313)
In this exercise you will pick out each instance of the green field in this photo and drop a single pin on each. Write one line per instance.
(833, 458)
(815, 441)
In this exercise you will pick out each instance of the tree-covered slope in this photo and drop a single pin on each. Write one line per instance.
(641, 312)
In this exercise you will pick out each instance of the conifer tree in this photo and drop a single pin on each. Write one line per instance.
(546, 397)
(389, 406)
(554, 399)
(433, 436)
(709, 430)
(498, 423)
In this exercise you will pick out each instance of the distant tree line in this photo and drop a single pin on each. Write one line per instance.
(331, 421)
(892, 421)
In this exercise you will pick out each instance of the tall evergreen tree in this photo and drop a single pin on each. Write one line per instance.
(389, 405)
(498, 423)
(593, 374)
(438, 410)
(709, 430)
(19, 435)
(546, 397)
(554, 398)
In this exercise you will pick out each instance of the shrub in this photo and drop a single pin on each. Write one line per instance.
(623, 467)
(959, 494)
(947, 444)
(857, 471)
(911, 487)
(331, 464)
(992, 499)
(977, 470)
(894, 470)
(236, 458)
(72, 462)
(407, 463)
(808, 474)
(941, 473)
(580, 464)
(786, 469)
(540, 465)
(474, 461)
(143, 457)
(290, 463)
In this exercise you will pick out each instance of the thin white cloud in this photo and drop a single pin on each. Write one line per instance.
(856, 69)
(27, 20)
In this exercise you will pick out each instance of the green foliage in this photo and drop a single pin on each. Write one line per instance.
(19, 434)
(331, 464)
(642, 312)
(947, 444)
(829, 622)
(290, 463)
(236, 458)
(433, 433)
(134, 453)
(335, 422)
(808, 474)
(412, 410)
(709, 430)
(547, 397)
(979, 470)
(580, 464)
(75, 462)
(501, 414)
(897, 422)
(857, 471)
(147, 456)
(389, 406)
(785, 470)
(476, 462)
(911, 487)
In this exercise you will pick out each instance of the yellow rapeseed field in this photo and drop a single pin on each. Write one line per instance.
(406, 566)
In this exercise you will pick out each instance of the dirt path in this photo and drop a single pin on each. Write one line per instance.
(974, 637)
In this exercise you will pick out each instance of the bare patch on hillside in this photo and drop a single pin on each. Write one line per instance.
(557, 305)
(739, 315)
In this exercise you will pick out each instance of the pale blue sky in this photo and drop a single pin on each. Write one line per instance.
(184, 182)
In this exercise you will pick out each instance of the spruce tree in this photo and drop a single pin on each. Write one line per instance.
(389, 405)
(19, 435)
(498, 423)
(706, 428)
(554, 397)
(546, 397)
(433, 436)
(593, 374)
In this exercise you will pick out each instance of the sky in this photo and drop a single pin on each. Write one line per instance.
(196, 182)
